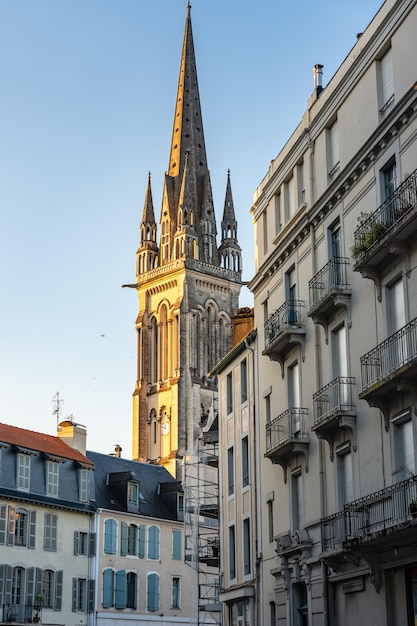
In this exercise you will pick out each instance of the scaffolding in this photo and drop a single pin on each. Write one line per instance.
(201, 521)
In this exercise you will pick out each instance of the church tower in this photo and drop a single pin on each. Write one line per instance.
(188, 289)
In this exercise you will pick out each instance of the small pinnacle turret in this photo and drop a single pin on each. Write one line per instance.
(230, 251)
(147, 255)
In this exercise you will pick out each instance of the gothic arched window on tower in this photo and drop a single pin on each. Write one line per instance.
(211, 345)
(164, 343)
(154, 352)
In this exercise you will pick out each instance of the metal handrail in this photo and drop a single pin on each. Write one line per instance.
(290, 424)
(332, 276)
(286, 317)
(334, 397)
(388, 356)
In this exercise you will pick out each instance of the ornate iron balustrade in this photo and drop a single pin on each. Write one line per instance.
(335, 397)
(393, 353)
(331, 277)
(288, 425)
(20, 614)
(378, 512)
(403, 200)
(286, 317)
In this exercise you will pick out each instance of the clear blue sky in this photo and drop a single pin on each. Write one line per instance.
(87, 102)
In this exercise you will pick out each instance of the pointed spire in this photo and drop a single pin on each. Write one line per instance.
(148, 212)
(230, 251)
(187, 134)
(147, 254)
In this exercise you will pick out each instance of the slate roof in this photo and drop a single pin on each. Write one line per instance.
(49, 444)
(155, 501)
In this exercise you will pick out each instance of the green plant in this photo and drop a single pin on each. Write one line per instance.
(39, 600)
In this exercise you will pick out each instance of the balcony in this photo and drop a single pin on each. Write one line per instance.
(329, 289)
(287, 436)
(283, 330)
(372, 519)
(392, 363)
(21, 614)
(334, 409)
(385, 234)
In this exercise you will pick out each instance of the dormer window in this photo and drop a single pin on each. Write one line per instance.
(52, 478)
(84, 484)
(23, 471)
(133, 493)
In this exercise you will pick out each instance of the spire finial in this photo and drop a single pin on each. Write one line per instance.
(149, 176)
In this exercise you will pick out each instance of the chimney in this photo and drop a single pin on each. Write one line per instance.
(74, 435)
(318, 75)
(118, 450)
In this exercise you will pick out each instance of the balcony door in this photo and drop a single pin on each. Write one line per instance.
(291, 295)
(294, 397)
(339, 366)
(398, 348)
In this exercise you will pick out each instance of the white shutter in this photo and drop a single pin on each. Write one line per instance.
(386, 78)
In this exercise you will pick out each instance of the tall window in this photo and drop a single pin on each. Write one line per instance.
(245, 461)
(50, 532)
(246, 547)
(229, 392)
(164, 344)
(300, 604)
(232, 552)
(18, 585)
(270, 505)
(20, 527)
(154, 351)
(297, 500)
(131, 590)
(52, 469)
(294, 386)
(23, 471)
(334, 158)
(345, 474)
(277, 210)
(389, 180)
(265, 231)
(132, 539)
(291, 295)
(153, 542)
(176, 592)
(386, 82)
(48, 588)
(110, 536)
(243, 380)
(133, 493)
(339, 352)
(403, 453)
(141, 541)
(152, 592)
(230, 471)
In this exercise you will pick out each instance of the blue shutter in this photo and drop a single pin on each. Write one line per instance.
(76, 542)
(141, 541)
(30, 585)
(153, 542)
(107, 588)
(153, 592)
(110, 536)
(121, 588)
(32, 530)
(176, 545)
(74, 594)
(58, 590)
(3, 512)
(91, 595)
(123, 538)
(92, 544)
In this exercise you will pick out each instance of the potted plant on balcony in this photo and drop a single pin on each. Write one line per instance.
(38, 606)
(412, 508)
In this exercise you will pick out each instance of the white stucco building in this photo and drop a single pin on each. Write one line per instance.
(335, 307)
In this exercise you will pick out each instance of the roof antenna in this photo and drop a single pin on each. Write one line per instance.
(57, 409)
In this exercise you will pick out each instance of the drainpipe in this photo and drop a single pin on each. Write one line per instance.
(259, 569)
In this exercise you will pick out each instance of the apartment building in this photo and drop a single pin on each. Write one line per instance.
(241, 587)
(46, 504)
(335, 296)
(140, 573)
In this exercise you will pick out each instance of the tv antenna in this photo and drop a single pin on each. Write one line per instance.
(57, 410)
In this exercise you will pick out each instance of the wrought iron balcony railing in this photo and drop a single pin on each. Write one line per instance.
(289, 425)
(392, 211)
(287, 317)
(21, 614)
(389, 356)
(369, 516)
(332, 277)
(335, 398)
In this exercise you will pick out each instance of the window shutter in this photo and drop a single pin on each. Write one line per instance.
(91, 596)
(141, 541)
(3, 513)
(74, 594)
(8, 584)
(30, 585)
(2, 575)
(11, 526)
(92, 544)
(58, 590)
(107, 588)
(76, 542)
(176, 545)
(123, 541)
(110, 536)
(120, 597)
(387, 77)
(153, 592)
(38, 581)
(32, 530)
(151, 542)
